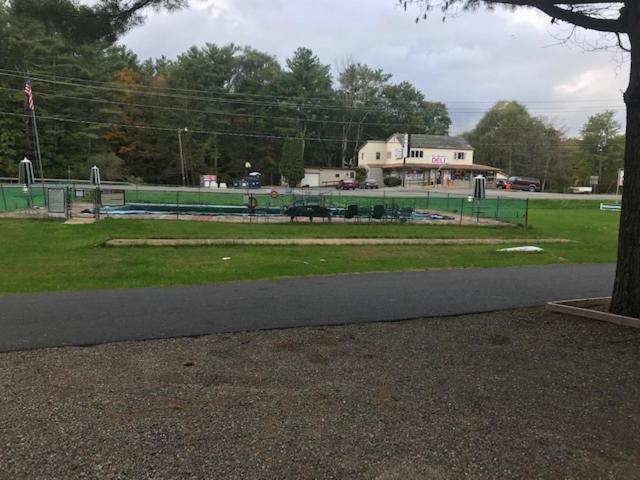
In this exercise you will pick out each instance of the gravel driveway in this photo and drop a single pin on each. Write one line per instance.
(516, 394)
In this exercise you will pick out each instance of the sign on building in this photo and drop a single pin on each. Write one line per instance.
(593, 180)
(112, 198)
(210, 181)
(439, 159)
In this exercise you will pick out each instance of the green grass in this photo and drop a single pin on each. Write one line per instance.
(46, 255)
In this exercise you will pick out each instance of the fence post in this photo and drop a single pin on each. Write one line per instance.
(461, 209)
(526, 214)
(497, 207)
(177, 204)
(448, 201)
(428, 195)
(4, 199)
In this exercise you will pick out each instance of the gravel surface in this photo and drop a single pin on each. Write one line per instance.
(515, 394)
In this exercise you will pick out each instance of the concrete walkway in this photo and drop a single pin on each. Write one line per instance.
(176, 242)
(84, 318)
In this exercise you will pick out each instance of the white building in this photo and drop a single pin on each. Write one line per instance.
(324, 177)
(426, 160)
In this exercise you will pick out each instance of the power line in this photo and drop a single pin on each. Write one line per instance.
(308, 120)
(208, 112)
(173, 129)
(49, 74)
(143, 90)
(256, 134)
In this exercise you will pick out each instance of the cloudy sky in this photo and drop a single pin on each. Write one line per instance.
(469, 62)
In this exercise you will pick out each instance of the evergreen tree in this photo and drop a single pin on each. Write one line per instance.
(291, 162)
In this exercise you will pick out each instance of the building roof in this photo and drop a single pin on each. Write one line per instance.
(474, 167)
(329, 168)
(434, 141)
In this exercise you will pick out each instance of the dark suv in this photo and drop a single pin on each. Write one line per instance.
(524, 183)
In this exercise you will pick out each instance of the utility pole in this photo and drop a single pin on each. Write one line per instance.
(407, 152)
(601, 147)
(184, 178)
(28, 91)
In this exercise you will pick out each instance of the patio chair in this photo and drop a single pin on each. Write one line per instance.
(351, 211)
(404, 214)
(379, 212)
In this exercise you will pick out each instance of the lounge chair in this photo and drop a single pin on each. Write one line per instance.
(379, 212)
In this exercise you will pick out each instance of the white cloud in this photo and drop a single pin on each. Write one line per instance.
(523, 17)
(584, 84)
(469, 61)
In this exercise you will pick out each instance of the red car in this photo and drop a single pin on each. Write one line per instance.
(348, 184)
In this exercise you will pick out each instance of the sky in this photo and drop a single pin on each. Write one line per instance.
(470, 61)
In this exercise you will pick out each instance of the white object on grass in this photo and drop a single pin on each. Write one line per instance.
(226, 258)
(527, 249)
(610, 207)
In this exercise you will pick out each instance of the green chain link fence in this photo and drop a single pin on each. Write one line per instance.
(503, 209)
(509, 210)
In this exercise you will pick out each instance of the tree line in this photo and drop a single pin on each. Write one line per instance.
(509, 138)
(97, 103)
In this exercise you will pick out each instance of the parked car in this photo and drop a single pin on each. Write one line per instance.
(501, 184)
(524, 183)
(347, 184)
(252, 181)
(369, 183)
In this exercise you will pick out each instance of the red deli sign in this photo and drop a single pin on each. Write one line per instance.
(439, 159)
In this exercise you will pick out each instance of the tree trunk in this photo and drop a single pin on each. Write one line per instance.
(626, 290)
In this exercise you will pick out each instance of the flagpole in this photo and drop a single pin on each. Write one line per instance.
(35, 133)
(36, 138)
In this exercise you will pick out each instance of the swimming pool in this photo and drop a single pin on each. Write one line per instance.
(173, 209)
(243, 210)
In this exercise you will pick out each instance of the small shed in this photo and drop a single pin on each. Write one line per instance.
(326, 177)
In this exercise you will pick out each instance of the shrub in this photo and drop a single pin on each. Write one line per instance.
(361, 174)
(392, 181)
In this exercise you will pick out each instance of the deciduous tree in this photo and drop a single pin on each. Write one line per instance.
(620, 20)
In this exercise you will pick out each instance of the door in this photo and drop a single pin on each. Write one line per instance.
(311, 179)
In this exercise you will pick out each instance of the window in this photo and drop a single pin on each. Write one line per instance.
(388, 155)
(459, 156)
(337, 175)
(362, 156)
(416, 154)
(377, 155)
(351, 174)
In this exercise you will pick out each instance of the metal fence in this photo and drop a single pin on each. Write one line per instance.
(509, 210)
(15, 197)
(120, 201)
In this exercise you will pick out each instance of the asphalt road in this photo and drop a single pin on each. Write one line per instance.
(91, 317)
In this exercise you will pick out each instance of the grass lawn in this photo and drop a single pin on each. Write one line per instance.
(46, 255)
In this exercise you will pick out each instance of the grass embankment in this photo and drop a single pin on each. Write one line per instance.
(44, 255)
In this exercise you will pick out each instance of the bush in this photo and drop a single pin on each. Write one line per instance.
(392, 181)
(361, 174)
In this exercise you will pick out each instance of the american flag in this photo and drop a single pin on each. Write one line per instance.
(29, 93)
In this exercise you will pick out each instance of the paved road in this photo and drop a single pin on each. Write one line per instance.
(91, 317)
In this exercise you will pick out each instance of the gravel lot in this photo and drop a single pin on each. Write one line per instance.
(519, 394)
